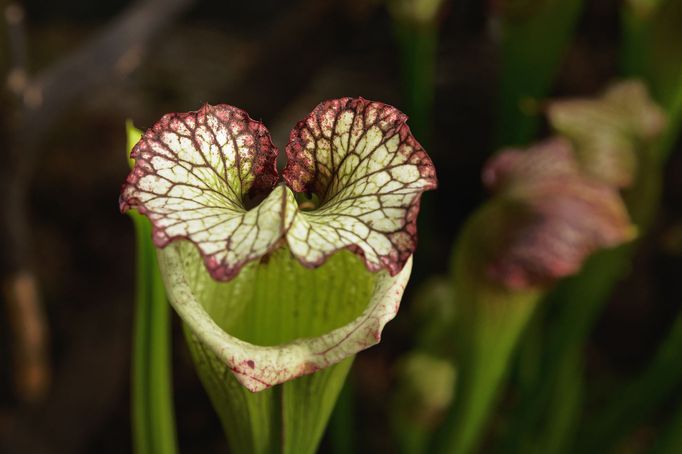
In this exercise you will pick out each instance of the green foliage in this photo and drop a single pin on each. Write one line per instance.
(488, 324)
(639, 398)
(152, 403)
(531, 50)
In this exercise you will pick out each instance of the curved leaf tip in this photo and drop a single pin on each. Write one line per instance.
(195, 174)
(612, 133)
(360, 158)
(192, 176)
(550, 215)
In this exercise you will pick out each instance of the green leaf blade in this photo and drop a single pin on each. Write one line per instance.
(153, 415)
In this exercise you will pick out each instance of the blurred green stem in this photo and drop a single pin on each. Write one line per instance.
(532, 49)
(641, 56)
(341, 425)
(418, 46)
(560, 427)
(670, 441)
(488, 325)
(153, 415)
(579, 300)
(650, 50)
(639, 399)
(484, 361)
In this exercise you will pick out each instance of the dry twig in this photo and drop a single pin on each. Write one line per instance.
(37, 102)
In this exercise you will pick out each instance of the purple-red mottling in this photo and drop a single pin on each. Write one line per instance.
(263, 168)
(301, 173)
(265, 153)
(555, 215)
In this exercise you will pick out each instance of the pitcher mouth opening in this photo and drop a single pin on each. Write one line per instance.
(307, 201)
(258, 367)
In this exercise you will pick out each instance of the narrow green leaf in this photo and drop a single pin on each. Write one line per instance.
(152, 404)
(579, 300)
(566, 404)
(342, 431)
(488, 324)
(532, 47)
(638, 399)
(418, 45)
(133, 135)
(670, 441)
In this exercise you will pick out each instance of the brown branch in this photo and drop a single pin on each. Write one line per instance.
(39, 102)
(30, 334)
(113, 54)
(25, 315)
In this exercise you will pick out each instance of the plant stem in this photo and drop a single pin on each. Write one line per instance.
(153, 414)
(488, 325)
(638, 399)
(483, 363)
(580, 300)
(341, 426)
(418, 45)
(670, 441)
(531, 52)
(647, 43)
(566, 405)
(270, 304)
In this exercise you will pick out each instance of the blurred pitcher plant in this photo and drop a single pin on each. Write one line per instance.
(545, 218)
(281, 281)
(554, 205)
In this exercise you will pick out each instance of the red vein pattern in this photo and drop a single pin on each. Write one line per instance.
(369, 172)
(551, 216)
(192, 174)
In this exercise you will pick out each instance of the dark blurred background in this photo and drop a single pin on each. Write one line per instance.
(70, 253)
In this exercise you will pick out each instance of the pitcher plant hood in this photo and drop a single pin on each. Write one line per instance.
(209, 177)
(196, 173)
